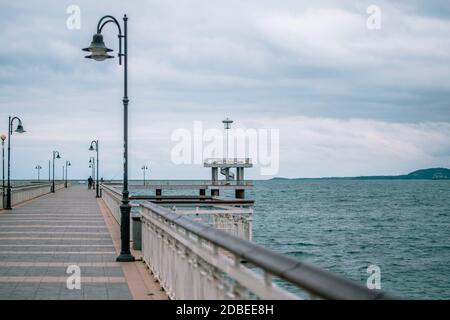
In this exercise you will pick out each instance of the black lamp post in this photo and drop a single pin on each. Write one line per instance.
(55, 156)
(144, 168)
(3, 138)
(91, 148)
(99, 52)
(38, 168)
(92, 166)
(19, 129)
(67, 165)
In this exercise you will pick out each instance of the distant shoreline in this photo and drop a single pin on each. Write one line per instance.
(423, 174)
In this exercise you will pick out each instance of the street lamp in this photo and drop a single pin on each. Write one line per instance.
(227, 126)
(67, 164)
(55, 156)
(19, 129)
(144, 168)
(38, 168)
(91, 148)
(99, 52)
(92, 165)
(3, 138)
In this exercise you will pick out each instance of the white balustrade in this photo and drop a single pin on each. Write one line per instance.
(113, 199)
(189, 267)
(23, 193)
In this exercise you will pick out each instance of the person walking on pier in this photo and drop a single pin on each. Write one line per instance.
(90, 182)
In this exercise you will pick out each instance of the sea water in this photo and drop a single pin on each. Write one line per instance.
(345, 226)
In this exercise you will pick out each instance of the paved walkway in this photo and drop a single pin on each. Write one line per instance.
(42, 238)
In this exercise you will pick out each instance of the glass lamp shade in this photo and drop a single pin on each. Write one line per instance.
(98, 49)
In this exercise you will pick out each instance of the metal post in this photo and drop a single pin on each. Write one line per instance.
(53, 181)
(3, 171)
(144, 168)
(66, 180)
(49, 170)
(97, 191)
(93, 171)
(56, 155)
(125, 208)
(8, 191)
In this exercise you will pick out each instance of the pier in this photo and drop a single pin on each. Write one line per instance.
(42, 237)
(178, 254)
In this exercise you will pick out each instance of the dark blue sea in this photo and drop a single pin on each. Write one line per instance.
(344, 226)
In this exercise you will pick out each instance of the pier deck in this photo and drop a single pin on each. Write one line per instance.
(41, 238)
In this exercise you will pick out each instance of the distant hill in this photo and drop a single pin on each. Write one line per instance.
(423, 174)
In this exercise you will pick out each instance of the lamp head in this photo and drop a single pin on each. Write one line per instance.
(3, 137)
(20, 128)
(58, 156)
(98, 49)
(91, 148)
(227, 123)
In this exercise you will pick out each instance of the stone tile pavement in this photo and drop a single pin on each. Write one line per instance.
(42, 238)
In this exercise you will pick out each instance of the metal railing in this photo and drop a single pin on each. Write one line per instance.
(183, 184)
(231, 161)
(195, 261)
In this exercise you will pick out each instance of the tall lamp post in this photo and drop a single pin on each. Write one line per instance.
(67, 165)
(92, 165)
(91, 148)
(99, 52)
(3, 138)
(38, 168)
(19, 129)
(144, 168)
(227, 126)
(56, 155)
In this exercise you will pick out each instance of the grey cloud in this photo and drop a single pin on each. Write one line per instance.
(246, 58)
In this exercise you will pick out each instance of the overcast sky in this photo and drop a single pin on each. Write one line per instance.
(346, 100)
